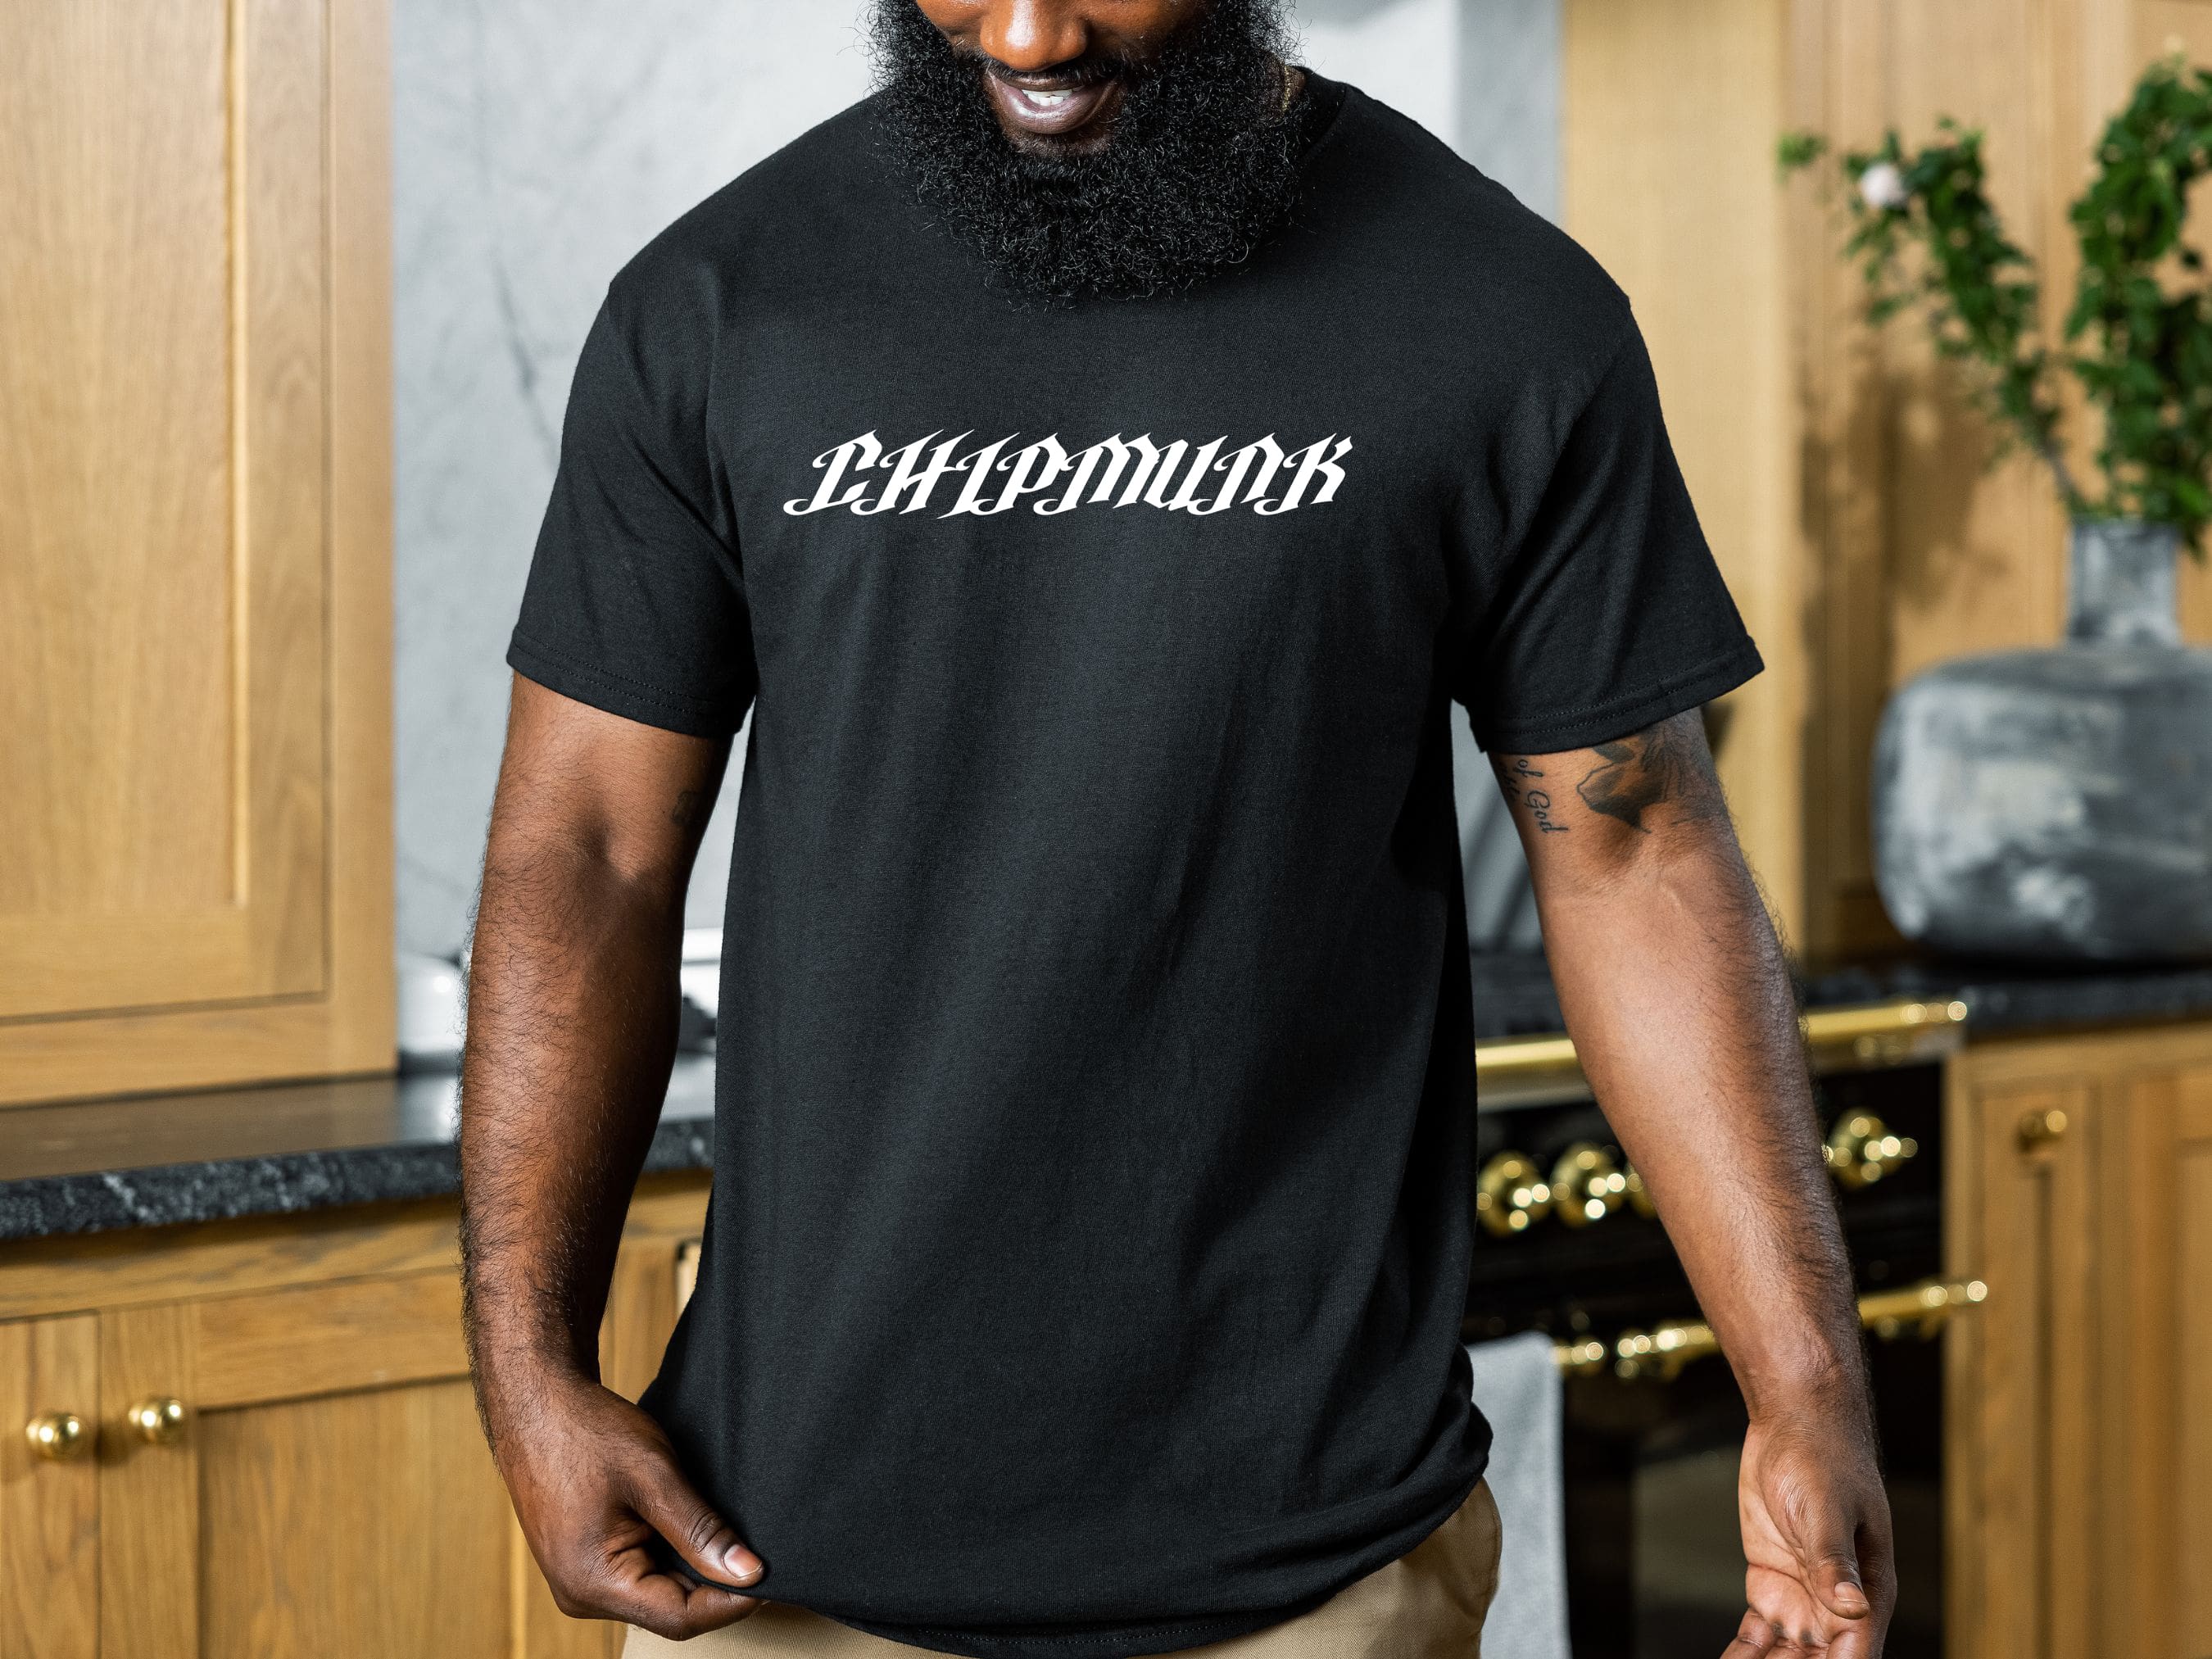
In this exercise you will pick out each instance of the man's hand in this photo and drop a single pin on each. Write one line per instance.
(572, 1030)
(1680, 1003)
(594, 1485)
(1816, 1535)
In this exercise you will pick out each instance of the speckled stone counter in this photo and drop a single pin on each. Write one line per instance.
(100, 1166)
(104, 1166)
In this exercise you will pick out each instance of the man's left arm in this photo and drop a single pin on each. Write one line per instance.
(1679, 1000)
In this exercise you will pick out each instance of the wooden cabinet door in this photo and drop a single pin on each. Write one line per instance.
(2080, 1467)
(2019, 1481)
(49, 1509)
(330, 1493)
(2156, 1427)
(194, 543)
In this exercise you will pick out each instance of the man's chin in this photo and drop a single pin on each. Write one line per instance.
(1155, 181)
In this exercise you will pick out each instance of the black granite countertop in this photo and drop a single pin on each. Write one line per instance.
(102, 1166)
(220, 1155)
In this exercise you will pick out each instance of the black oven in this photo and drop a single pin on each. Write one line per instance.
(1652, 1424)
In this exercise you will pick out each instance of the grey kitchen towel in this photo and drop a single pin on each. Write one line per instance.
(1517, 1387)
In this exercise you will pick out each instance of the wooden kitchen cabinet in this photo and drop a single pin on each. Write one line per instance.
(2079, 1469)
(49, 1510)
(327, 1491)
(195, 544)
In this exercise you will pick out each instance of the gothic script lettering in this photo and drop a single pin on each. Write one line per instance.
(863, 475)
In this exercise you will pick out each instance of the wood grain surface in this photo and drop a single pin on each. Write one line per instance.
(49, 1511)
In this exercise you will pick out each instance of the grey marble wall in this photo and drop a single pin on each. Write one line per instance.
(539, 142)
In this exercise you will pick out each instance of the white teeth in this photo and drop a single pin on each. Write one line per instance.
(1048, 100)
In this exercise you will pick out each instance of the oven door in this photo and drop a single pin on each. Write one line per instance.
(1652, 1440)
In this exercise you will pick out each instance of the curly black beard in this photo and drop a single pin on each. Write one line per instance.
(1201, 167)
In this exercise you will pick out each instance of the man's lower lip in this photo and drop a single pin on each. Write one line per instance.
(1048, 115)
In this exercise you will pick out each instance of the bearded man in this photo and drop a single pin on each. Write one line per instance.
(1100, 462)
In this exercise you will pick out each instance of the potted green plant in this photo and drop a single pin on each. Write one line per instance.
(2059, 803)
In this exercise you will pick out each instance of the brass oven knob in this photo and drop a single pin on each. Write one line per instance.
(1861, 1150)
(2041, 1128)
(1587, 1185)
(159, 1420)
(58, 1437)
(1510, 1194)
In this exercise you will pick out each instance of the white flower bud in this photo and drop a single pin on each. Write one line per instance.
(1881, 187)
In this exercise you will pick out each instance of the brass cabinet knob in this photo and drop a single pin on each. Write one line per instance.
(160, 1420)
(58, 1437)
(1510, 1194)
(2041, 1128)
(1587, 1185)
(1861, 1150)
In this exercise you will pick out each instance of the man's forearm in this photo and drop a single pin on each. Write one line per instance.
(1679, 999)
(1680, 1002)
(572, 1030)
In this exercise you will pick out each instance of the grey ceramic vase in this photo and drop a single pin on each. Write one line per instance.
(2058, 804)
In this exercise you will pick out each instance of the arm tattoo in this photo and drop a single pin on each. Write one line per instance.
(1643, 771)
(1524, 786)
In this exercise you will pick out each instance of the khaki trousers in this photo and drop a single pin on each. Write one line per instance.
(1428, 1604)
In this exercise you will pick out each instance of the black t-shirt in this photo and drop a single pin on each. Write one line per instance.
(1092, 1186)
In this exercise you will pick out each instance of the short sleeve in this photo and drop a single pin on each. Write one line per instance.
(636, 600)
(1608, 613)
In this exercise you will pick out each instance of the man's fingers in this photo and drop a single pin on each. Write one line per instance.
(1754, 1640)
(709, 1547)
(1827, 1531)
(1836, 1581)
(659, 1601)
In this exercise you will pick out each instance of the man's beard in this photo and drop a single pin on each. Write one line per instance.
(1199, 167)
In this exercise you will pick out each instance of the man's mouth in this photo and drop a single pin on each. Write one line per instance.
(1050, 111)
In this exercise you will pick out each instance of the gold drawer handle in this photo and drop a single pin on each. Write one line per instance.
(58, 1437)
(1659, 1354)
(159, 1420)
(2041, 1129)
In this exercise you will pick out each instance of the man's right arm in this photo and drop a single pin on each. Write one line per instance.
(572, 1029)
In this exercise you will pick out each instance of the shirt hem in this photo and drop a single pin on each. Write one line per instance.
(1136, 1640)
(1578, 728)
(1127, 1642)
(613, 695)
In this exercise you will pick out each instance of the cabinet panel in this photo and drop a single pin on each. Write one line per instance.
(289, 1345)
(149, 1533)
(298, 1497)
(2019, 1471)
(115, 358)
(193, 635)
(162, 385)
(331, 1493)
(49, 1511)
(2080, 1458)
(2192, 1534)
(2158, 1510)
